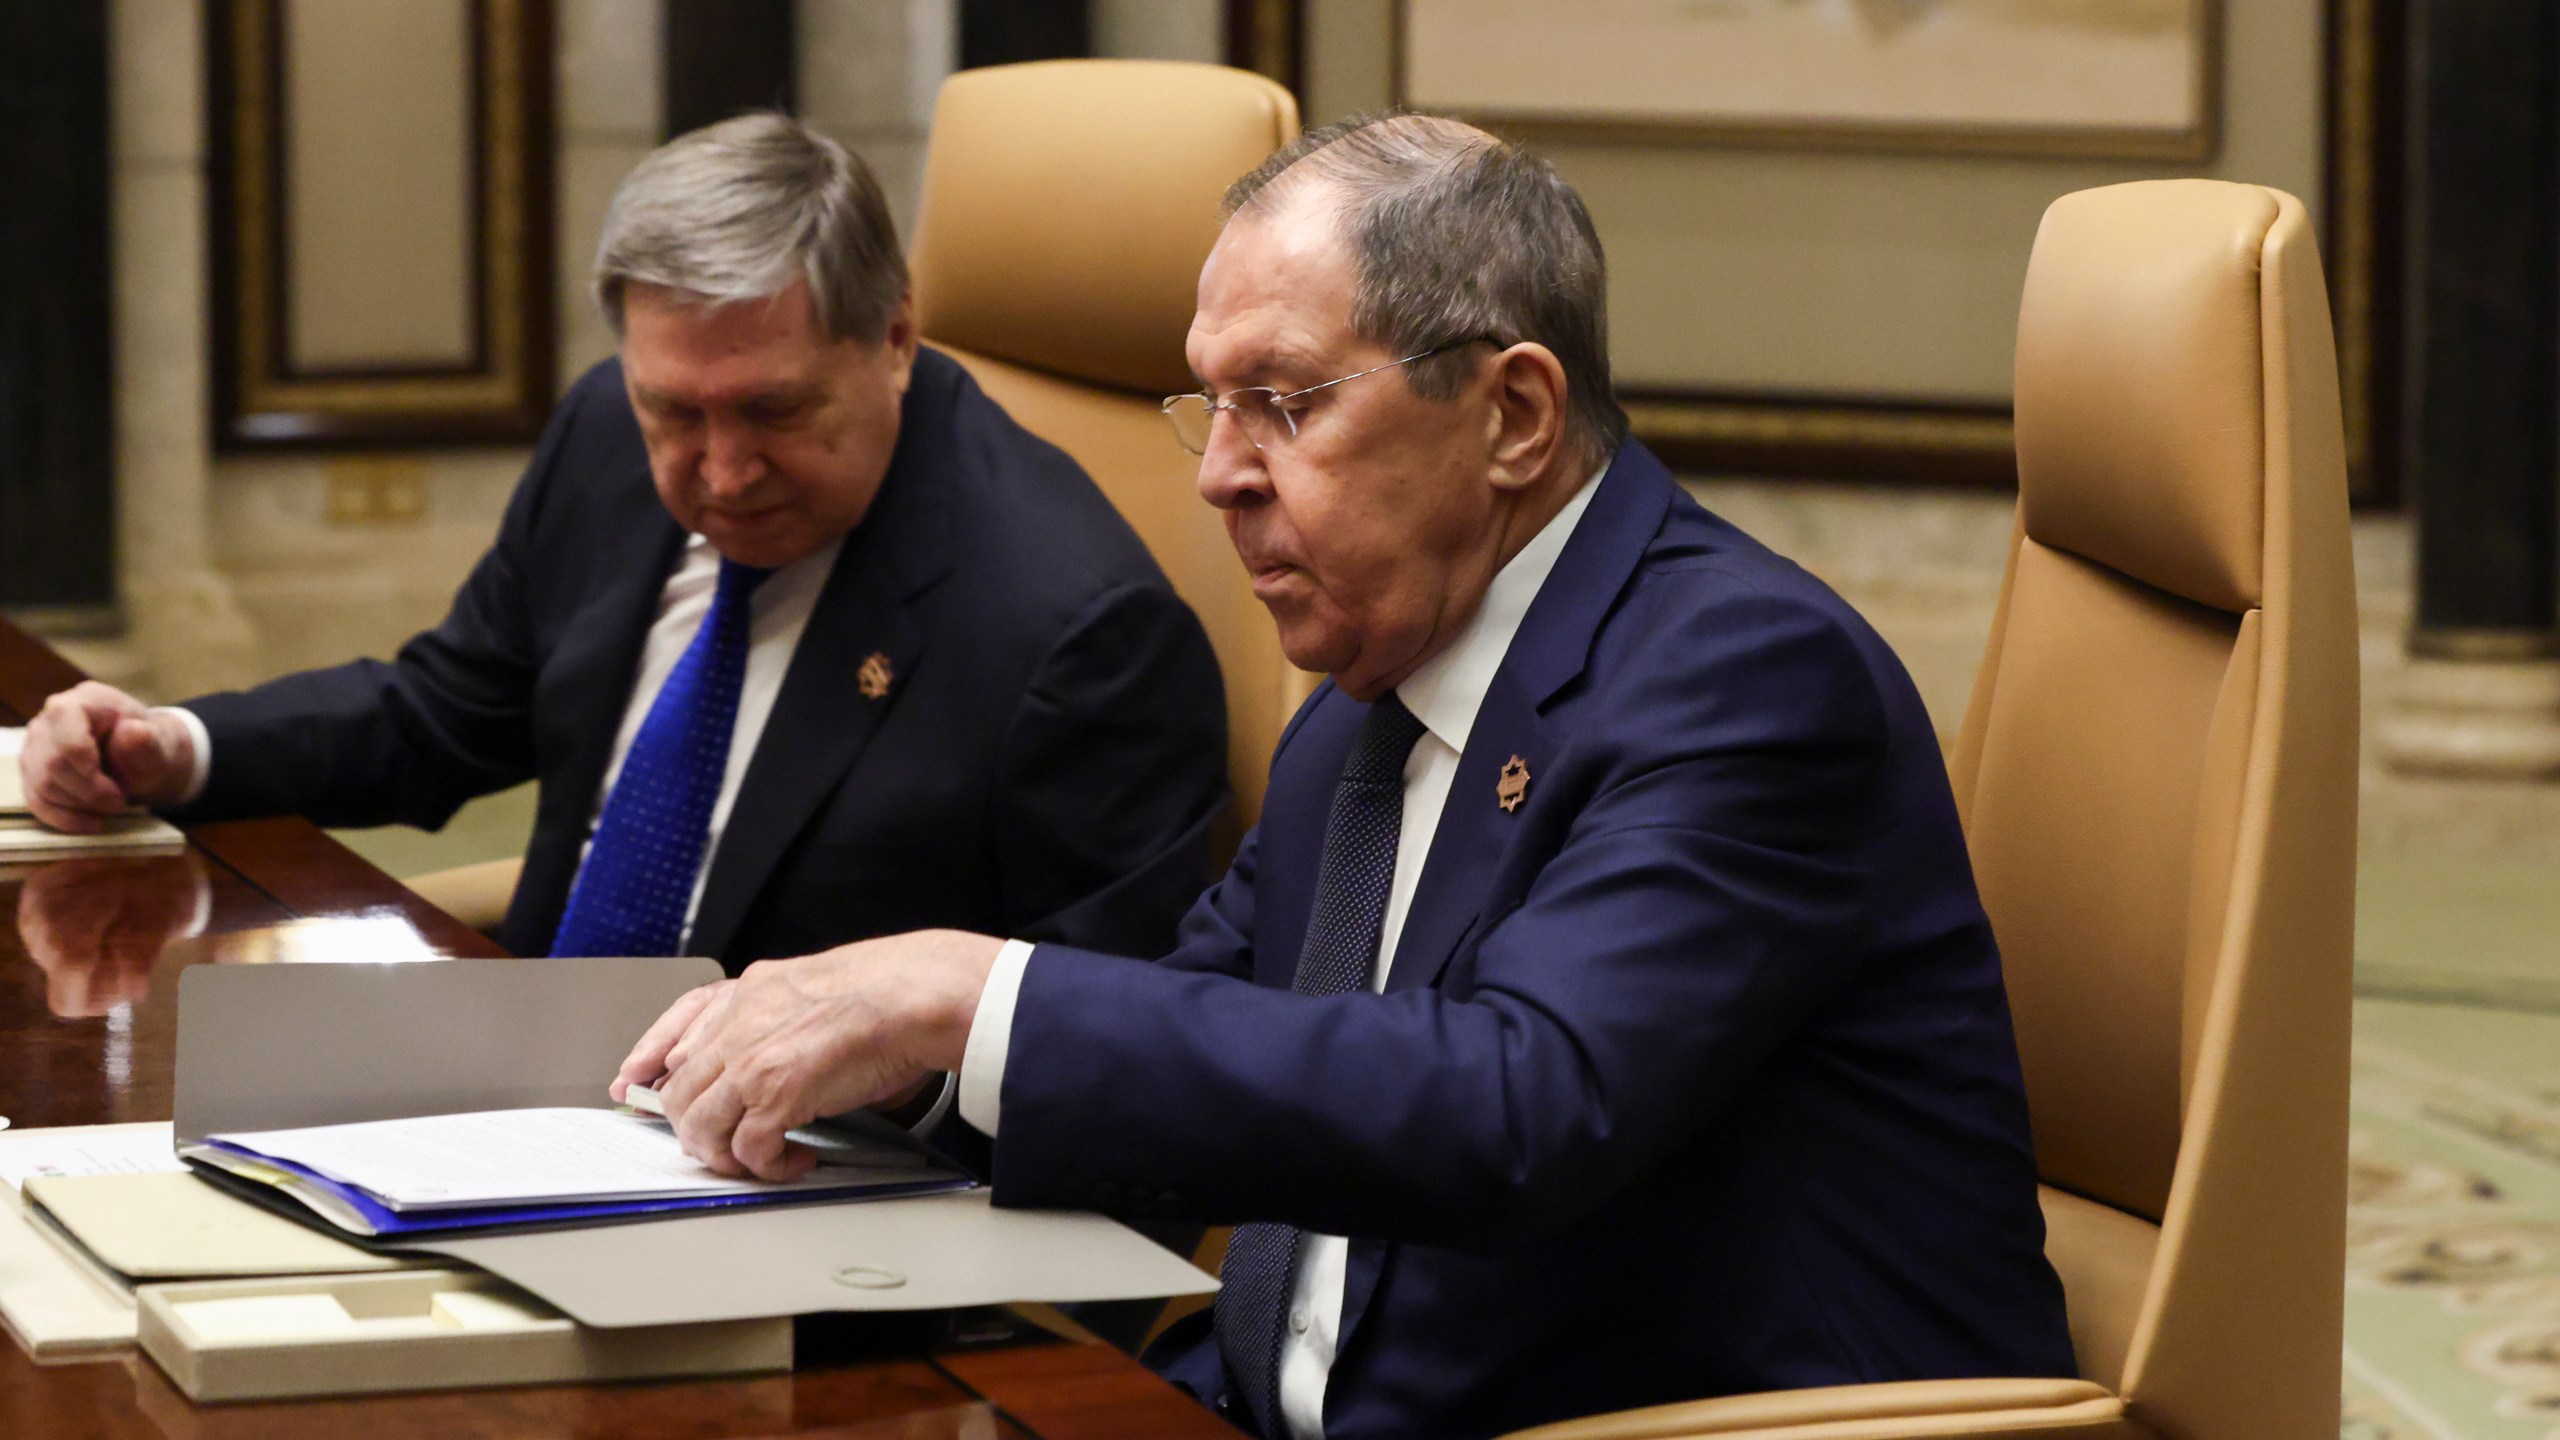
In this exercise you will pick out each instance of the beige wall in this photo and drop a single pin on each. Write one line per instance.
(1844, 273)
(1160, 29)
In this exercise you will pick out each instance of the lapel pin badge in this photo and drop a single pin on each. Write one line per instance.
(1513, 787)
(874, 677)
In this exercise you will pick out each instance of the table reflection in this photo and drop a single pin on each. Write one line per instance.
(96, 926)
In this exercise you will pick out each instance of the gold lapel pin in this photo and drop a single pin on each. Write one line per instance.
(874, 677)
(1513, 787)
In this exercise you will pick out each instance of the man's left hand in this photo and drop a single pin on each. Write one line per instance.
(792, 1040)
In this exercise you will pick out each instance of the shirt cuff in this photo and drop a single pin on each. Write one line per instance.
(202, 743)
(991, 1037)
(941, 1107)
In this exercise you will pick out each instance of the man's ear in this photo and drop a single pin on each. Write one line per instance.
(1528, 414)
(900, 341)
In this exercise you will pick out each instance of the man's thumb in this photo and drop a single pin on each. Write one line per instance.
(140, 759)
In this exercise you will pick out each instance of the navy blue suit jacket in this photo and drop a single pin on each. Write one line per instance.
(1694, 1075)
(1047, 762)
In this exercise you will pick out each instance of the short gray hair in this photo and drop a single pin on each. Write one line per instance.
(738, 210)
(1459, 236)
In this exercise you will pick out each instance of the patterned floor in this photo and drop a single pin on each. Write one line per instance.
(2453, 1258)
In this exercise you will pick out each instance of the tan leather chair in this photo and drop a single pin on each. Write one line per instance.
(1068, 205)
(2158, 773)
(477, 895)
(1067, 208)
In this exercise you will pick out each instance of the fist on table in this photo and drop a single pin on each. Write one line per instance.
(93, 752)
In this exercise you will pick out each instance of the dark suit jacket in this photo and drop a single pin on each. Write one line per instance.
(1047, 762)
(1694, 1075)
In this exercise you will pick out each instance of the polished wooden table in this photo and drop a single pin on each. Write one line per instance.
(89, 955)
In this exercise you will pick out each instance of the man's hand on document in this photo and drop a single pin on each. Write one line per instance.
(745, 1060)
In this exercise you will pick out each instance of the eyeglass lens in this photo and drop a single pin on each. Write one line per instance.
(1257, 410)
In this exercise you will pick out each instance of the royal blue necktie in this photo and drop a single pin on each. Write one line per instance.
(1341, 949)
(631, 895)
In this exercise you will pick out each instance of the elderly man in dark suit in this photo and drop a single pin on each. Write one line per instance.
(1602, 1013)
(804, 638)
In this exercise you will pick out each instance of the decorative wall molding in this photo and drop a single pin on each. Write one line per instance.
(499, 389)
(1879, 436)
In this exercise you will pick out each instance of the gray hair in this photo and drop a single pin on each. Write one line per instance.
(738, 210)
(1459, 236)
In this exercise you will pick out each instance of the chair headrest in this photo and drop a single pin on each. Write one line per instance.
(1068, 205)
(2141, 389)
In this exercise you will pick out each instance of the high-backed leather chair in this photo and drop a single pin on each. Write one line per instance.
(476, 894)
(1068, 205)
(2158, 774)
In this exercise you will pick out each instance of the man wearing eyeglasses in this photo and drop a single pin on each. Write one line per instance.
(1602, 1014)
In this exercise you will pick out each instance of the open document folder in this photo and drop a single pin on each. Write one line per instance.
(266, 1048)
(486, 1169)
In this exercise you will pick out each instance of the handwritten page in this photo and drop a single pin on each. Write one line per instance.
(86, 1150)
(523, 1157)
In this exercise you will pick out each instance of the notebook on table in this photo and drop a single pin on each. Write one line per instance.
(24, 838)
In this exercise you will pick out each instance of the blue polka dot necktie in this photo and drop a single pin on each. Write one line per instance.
(633, 891)
(1341, 949)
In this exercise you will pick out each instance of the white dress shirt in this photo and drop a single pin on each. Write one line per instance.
(1444, 694)
(778, 612)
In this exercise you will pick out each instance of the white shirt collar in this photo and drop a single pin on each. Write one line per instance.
(1449, 688)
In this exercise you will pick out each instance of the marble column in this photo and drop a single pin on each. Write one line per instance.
(185, 630)
(2481, 695)
(868, 74)
(610, 107)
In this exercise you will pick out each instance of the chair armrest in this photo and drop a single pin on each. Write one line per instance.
(1894, 1411)
(476, 895)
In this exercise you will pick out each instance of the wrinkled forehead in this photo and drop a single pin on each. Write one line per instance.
(1276, 298)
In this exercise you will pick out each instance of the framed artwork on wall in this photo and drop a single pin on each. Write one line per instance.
(2115, 78)
(380, 213)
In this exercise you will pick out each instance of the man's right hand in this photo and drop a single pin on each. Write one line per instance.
(94, 751)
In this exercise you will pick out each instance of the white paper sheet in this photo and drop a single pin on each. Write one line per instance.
(24, 838)
(522, 1157)
(13, 800)
(86, 1150)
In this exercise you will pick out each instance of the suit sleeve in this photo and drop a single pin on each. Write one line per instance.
(1114, 770)
(1708, 894)
(407, 742)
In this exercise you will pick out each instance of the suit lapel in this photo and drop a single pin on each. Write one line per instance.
(1474, 830)
(821, 719)
(590, 678)
(820, 722)
(1548, 653)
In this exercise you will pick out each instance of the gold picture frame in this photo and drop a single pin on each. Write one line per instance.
(497, 387)
(1708, 430)
(1587, 118)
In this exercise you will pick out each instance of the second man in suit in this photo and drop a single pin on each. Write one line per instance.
(803, 637)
